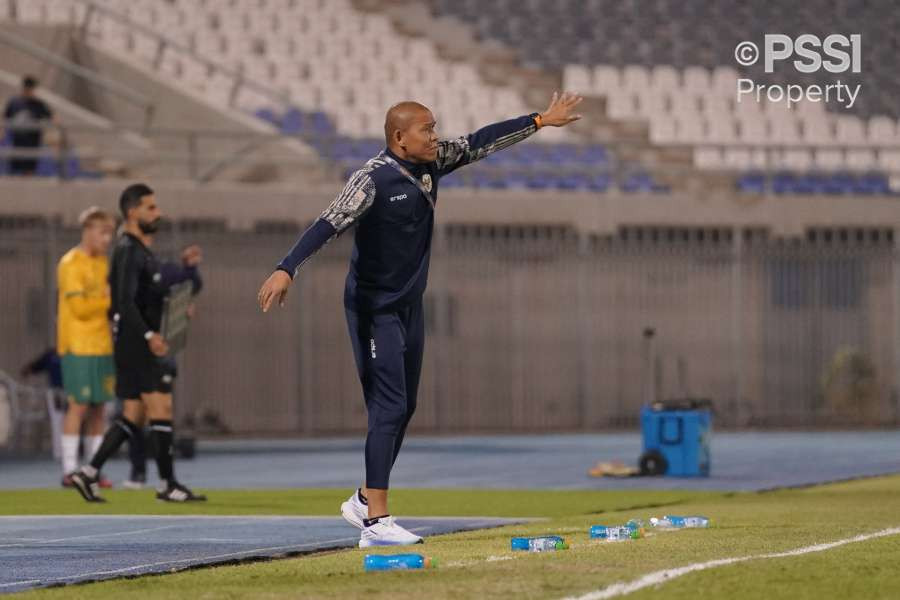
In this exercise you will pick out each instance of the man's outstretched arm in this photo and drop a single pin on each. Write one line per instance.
(349, 206)
(453, 154)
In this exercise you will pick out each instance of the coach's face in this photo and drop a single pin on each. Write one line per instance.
(419, 139)
(147, 214)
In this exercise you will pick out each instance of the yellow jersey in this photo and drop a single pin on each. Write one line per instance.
(82, 322)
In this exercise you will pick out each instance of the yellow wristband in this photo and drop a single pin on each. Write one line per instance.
(538, 121)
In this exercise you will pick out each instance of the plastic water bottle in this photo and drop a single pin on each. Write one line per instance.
(622, 532)
(677, 522)
(390, 562)
(600, 532)
(547, 543)
(661, 523)
(636, 526)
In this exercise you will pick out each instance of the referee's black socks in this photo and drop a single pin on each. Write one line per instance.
(161, 440)
(121, 430)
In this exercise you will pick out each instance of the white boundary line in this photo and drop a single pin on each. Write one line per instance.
(659, 577)
(88, 536)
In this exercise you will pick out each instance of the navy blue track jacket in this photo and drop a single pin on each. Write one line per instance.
(394, 220)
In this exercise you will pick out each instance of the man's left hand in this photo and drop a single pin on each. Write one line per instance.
(559, 113)
(192, 256)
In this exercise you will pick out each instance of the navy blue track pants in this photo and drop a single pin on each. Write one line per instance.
(388, 350)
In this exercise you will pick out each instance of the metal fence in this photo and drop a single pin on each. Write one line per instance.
(529, 328)
(24, 418)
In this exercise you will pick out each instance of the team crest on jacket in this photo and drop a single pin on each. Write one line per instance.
(426, 181)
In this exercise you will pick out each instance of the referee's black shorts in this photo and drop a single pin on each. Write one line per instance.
(139, 371)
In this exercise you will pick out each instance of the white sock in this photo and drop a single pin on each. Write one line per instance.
(69, 453)
(93, 444)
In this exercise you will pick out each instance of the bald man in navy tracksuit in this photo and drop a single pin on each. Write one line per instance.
(392, 200)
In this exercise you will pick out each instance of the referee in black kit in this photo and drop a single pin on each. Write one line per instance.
(138, 289)
(391, 200)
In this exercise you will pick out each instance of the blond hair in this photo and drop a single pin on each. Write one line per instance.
(93, 214)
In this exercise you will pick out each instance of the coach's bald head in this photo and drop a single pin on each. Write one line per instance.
(403, 114)
(409, 131)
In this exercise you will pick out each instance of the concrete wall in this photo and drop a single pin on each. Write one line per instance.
(240, 206)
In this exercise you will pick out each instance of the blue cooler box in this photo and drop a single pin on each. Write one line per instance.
(680, 435)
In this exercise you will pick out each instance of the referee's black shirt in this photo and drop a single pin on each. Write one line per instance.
(137, 290)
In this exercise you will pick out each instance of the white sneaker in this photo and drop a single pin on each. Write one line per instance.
(387, 533)
(354, 511)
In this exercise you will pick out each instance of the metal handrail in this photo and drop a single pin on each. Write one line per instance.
(165, 42)
(185, 146)
(611, 145)
(110, 85)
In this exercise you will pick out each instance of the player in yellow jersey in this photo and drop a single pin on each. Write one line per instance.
(84, 341)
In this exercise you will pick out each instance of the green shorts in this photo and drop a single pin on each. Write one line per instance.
(89, 379)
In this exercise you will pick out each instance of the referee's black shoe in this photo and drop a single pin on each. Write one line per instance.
(87, 486)
(177, 492)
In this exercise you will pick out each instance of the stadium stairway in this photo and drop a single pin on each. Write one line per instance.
(96, 139)
(503, 65)
(160, 150)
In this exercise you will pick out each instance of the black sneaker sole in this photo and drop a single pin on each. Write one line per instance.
(84, 489)
(198, 498)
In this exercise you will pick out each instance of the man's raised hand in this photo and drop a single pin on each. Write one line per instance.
(192, 256)
(559, 113)
(274, 288)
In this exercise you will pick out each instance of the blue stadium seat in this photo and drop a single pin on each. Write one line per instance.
(321, 124)
(539, 181)
(600, 182)
(592, 155)
(531, 165)
(293, 122)
(810, 183)
(834, 185)
(452, 181)
(517, 179)
(268, 115)
(872, 184)
(490, 180)
(752, 183)
(343, 149)
(638, 182)
(570, 181)
(784, 183)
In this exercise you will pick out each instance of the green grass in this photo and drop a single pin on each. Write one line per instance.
(865, 570)
(435, 503)
(743, 524)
